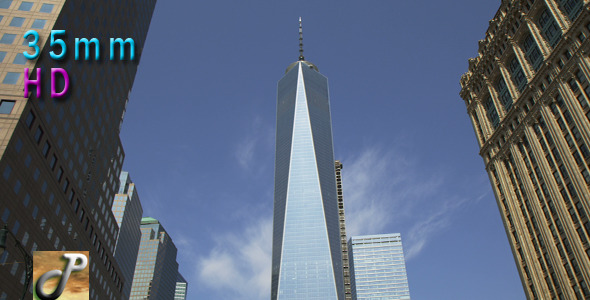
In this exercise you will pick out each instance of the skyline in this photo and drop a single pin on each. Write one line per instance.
(209, 149)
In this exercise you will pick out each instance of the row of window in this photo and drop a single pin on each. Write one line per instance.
(27, 6)
(552, 34)
(569, 196)
(65, 185)
(19, 21)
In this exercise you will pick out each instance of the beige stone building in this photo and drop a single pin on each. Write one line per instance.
(528, 96)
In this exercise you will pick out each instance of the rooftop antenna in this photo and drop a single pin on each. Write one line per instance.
(300, 41)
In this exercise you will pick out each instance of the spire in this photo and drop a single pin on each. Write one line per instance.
(300, 41)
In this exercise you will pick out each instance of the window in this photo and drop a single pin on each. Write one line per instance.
(17, 22)
(39, 24)
(25, 6)
(60, 173)
(17, 187)
(38, 134)
(517, 76)
(549, 28)
(5, 3)
(53, 162)
(5, 215)
(11, 78)
(27, 200)
(30, 119)
(7, 38)
(2, 55)
(532, 52)
(46, 8)
(46, 149)
(571, 8)
(6, 106)
(491, 112)
(504, 93)
(19, 59)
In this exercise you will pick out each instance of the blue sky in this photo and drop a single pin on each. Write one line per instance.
(199, 137)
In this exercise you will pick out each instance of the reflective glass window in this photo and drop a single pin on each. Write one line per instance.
(38, 24)
(6, 106)
(7, 38)
(25, 6)
(46, 8)
(17, 22)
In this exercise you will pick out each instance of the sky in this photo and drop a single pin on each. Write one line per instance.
(199, 137)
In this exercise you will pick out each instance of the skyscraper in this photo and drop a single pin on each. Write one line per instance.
(527, 93)
(60, 158)
(307, 255)
(343, 240)
(181, 287)
(127, 211)
(378, 267)
(156, 269)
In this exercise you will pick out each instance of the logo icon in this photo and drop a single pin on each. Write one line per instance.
(60, 275)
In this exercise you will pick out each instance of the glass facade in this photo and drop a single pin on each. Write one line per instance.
(307, 257)
(127, 211)
(181, 286)
(378, 267)
(156, 269)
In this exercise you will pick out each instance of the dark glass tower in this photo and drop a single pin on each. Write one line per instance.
(60, 158)
(307, 256)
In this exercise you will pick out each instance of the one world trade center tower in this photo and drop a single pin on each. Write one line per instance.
(306, 253)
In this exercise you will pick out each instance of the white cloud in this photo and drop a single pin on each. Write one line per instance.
(385, 192)
(256, 143)
(239, 266)
(245, 152)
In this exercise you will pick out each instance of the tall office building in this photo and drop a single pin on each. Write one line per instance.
(60, 158)
(527, 93)
(127, 211)
(343, 240)
(156, 269)
(378, 267)
(181, 288)
(307, 256)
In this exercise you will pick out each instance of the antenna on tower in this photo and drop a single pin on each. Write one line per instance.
(300, 41)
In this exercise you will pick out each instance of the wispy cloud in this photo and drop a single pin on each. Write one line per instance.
(245, 152)
(388, 190)
(259, 140)
(239, 265)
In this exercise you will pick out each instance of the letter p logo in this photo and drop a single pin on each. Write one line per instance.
(76, 262)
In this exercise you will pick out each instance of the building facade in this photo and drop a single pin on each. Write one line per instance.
(181, 288)
(60, 158)
(156, 269)
(378, 267)
(343, 239)
(527, 93)
(306, 255)
(127, 211)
